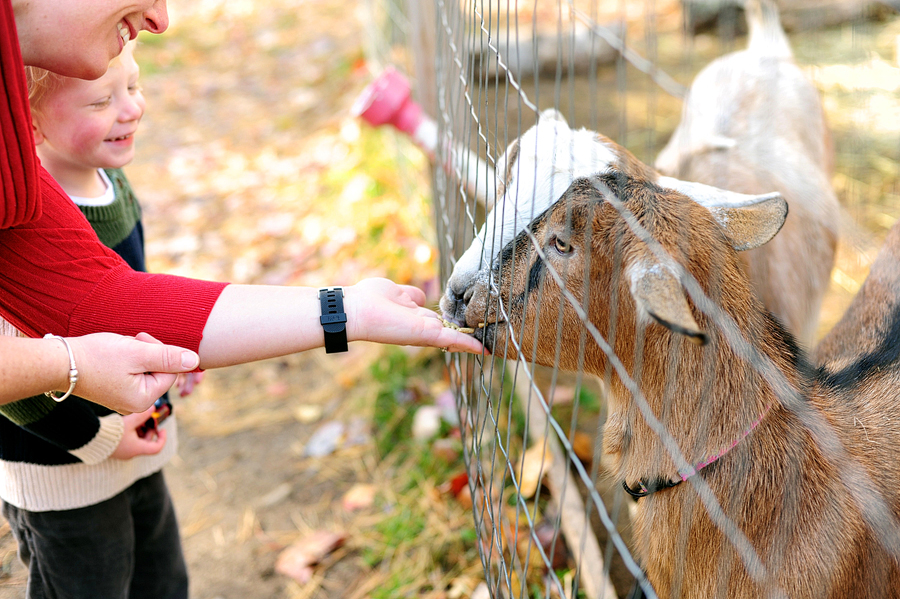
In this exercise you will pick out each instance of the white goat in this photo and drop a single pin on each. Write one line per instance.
(753, 122)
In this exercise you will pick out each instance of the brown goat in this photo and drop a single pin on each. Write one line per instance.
(753, 122)
(764, 455)
(872, 321)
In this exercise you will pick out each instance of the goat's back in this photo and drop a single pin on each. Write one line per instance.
(858, 374)
(868, 335)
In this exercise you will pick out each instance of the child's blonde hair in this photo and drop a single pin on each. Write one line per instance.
(40, 83)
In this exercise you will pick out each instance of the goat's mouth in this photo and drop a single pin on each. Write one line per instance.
(486, 333)
(481, 330)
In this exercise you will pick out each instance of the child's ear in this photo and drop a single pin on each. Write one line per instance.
(36, 129)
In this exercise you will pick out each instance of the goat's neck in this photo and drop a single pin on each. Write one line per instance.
(706, 398)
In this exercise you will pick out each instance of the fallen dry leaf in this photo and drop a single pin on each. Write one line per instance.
(583, 446)
(456, 484)
(297, 560)
(464, 497)
(462, 587)
(307, 414)
(278, 389)
(447, 450)
(535, 463)
(481, 592)
(426, 423)
(458, 487)
(360, 496)
(552, 543)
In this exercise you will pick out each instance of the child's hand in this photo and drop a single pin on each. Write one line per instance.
(380, 310)
(133, 445)
(186, 382)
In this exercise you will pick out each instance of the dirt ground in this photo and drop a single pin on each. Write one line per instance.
(248, 116)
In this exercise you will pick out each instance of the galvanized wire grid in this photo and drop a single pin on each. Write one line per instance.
(490, 84)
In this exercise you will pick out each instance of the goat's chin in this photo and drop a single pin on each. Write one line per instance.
(488, 336)
(494, 337)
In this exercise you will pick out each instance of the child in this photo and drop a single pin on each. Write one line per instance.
(82, 488)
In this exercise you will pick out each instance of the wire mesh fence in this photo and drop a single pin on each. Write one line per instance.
(659, 415)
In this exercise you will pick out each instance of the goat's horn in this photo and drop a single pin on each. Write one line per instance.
(749, 220)
(753, 223)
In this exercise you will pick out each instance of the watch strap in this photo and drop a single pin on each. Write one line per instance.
(333, 319)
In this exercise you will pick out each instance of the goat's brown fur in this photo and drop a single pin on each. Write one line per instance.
(869, 320)
(778, 486)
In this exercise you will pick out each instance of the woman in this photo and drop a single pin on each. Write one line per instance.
(56, 277)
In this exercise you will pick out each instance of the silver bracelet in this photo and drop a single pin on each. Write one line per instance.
(73, 372)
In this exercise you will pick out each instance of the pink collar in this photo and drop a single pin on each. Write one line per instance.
(646, 488)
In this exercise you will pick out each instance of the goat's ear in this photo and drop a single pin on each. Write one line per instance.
(749, 220)
(659, 296)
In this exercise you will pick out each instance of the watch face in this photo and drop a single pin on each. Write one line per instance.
(336, 342)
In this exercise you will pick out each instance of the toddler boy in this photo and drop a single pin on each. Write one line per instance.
(82, 486)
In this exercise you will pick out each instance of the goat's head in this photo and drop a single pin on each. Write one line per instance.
(533, 173)
(584, 244)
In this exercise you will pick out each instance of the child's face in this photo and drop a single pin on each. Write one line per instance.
(91, 124)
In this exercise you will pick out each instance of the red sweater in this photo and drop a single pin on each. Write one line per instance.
(55, 275)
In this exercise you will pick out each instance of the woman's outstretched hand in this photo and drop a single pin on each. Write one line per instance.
(383, 311)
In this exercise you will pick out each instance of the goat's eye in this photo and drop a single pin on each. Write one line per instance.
(562, 246)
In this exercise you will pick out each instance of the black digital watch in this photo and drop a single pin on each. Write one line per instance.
(333, 319)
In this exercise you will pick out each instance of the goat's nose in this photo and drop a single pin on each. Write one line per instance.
(453, 309)
(467, 296)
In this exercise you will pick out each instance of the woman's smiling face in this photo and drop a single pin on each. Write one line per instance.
(78, 38)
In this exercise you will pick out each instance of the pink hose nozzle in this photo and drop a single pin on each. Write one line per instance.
(387, 101)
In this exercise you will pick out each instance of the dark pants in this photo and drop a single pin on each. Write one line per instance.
(127, 547)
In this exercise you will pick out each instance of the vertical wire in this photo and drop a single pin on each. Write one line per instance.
(623, 121)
